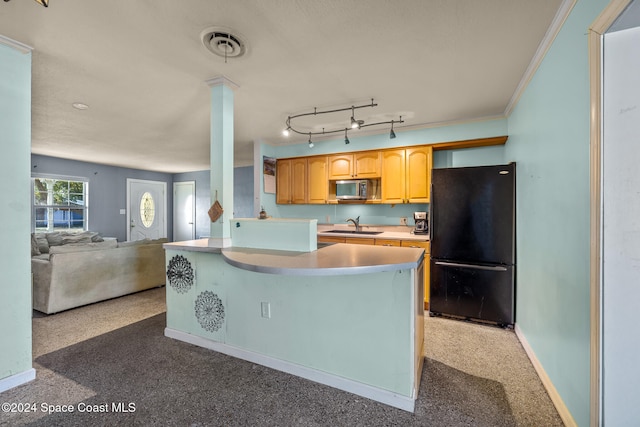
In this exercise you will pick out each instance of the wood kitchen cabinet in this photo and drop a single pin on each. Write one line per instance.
(387, 242)
(317, 182)
(393, 176)
(331, 239)
(291, 181)
(426, 245)
(406, 175)
(361, 165)
(427, 265)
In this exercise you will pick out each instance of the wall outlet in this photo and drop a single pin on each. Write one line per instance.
(403, 220)
(265, 310)
(327, 219)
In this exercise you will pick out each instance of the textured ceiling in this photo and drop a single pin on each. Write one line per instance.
(141, 67)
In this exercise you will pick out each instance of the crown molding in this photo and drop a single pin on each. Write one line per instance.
(222, 81)
(20, 47)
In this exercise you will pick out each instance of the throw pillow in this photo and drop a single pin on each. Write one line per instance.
(54, 238)
(95, 238)
(84, 237)
(43, 244)
(34, 245)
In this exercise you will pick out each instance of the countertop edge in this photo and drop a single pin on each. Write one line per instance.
(319, 271)
(326, 261)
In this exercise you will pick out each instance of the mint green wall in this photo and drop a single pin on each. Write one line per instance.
(549, 140)
(312, 318)
(15, 250)
(386, 214)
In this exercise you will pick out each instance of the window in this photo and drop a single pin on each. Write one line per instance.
(59, 204)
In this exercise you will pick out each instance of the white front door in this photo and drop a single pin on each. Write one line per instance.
(184, 210)
(147, 201)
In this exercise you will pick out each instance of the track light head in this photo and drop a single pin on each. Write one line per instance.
(354, 123)
(392, 134)
(346, 138)
(286, 131)
(310, 143)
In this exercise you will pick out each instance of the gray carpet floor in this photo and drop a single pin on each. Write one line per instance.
(115, 353)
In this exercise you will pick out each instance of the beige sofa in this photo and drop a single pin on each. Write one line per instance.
(76, 272)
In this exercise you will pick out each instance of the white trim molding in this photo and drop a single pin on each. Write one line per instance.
(557, 401)
(17, 379)
(599, 26)
(383, 396)
(20, 47)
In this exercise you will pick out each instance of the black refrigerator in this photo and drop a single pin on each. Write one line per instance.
(473, 243)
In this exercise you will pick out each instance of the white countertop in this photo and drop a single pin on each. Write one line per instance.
(387, 232)
(337, 259)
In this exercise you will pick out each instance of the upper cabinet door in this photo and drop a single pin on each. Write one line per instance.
(283, 181)
(299, 180)
(341, 166)
(367, 164)
(393, 176)
(419, 162)
(317, 183)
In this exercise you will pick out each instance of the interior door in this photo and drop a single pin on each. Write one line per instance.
(147, 201)
(184, 210)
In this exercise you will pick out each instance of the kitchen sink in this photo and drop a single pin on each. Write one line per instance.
(353, 232)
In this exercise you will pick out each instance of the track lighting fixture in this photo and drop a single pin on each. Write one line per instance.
(354, 124)
(44, 3)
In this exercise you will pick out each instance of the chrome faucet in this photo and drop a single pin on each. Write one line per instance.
(355, 222)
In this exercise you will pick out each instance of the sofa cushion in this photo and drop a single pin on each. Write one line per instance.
(83, 247)
(58, 238)
(142, 242)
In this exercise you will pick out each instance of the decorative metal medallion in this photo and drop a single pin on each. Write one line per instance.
(209, 311)
(180, 274)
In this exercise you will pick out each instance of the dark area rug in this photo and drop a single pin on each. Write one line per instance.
(175, 383)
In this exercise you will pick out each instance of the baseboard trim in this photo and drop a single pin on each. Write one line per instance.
(562, 409)
(17, 379)
(383, 396)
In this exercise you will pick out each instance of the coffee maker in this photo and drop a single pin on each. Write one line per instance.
(422, 223)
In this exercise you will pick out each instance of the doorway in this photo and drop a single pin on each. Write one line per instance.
(614, 208)
(147, 207)
(184, 210)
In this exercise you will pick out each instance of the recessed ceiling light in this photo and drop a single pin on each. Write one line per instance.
(80, 106)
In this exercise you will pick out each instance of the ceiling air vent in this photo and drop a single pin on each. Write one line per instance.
(223, 42)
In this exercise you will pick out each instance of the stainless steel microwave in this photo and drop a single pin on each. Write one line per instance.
(352, 189)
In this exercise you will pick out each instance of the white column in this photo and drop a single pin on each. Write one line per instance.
(222, 157)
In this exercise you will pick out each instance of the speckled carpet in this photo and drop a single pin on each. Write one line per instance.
(113, 356)
(160, 381)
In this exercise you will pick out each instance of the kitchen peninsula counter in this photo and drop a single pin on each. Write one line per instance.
(346, 316)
